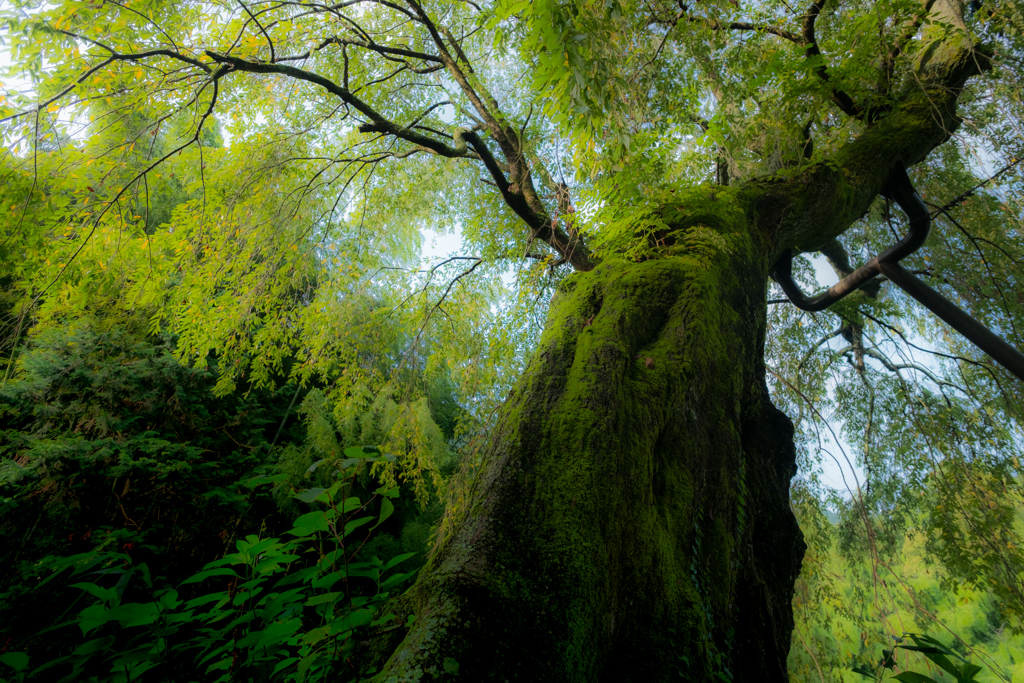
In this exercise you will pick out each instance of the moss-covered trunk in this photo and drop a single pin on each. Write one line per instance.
(630, 519)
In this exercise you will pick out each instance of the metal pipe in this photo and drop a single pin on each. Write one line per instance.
(901, 190)
(979, 335)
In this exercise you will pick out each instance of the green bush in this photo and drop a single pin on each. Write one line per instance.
(277, 610)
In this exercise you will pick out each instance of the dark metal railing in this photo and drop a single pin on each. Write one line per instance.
(900, 190)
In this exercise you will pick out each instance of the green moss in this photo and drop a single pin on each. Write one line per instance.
(630, 520)
(576, 559)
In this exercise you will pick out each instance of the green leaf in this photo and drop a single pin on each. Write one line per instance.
(307, 662)
(939, 658)
(277, 632)
(864, 671)
(355, 524)
(968, 671)
(196, 578)
(397, 559)
(312, 522)
(284, 664)
(937, 644)
(316, 635)
(912, 677)
(387, 508)
(396, 578)
(281, 602)
(387, 493)
(204, 599)
(324, 598)
(16, 660)
(274, 563)
(135, 614)
(352, 620)
(264, 545)
(264, 479)
(105, 594)
(309, 495)
(169, 599)
(943, 662)
(352, 503)
(327, 581)
(94, 646)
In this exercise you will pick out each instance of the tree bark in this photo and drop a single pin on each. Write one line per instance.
(629, 519)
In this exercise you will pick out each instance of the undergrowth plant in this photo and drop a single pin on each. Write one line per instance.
(279, 609)
(938, 654)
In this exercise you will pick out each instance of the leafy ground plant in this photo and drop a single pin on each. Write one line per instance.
(276, 610)
(953, 664)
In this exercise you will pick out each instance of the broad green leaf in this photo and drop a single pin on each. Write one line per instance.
(968, 672)
(312, 522)
(93, 646)
(355, 524)
(397, 559)
(324, 598)
(912, 677)
(107, 595)
(208, 573)
(309, 495)
(387, 508)
(134, 614)
(16, 660)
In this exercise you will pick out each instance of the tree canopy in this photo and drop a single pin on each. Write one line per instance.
(256, 179)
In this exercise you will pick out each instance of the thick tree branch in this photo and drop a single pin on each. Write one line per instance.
(541, 225)
(270, 43)
(716, 25)
(840, 98)
(511, 174)
(808, 210)
(911, 29)
(378, 123)
(366, 44)
(517, 186)
(114, 57)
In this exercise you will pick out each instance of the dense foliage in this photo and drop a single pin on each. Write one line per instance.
(122, 466)
(213, 284)
(278, 617)
(853, 605)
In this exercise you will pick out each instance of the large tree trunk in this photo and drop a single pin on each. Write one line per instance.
(630, 520)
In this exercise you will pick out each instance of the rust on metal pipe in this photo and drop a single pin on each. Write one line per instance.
(900, 190)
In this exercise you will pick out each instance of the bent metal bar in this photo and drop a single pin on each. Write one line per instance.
(901, 190)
